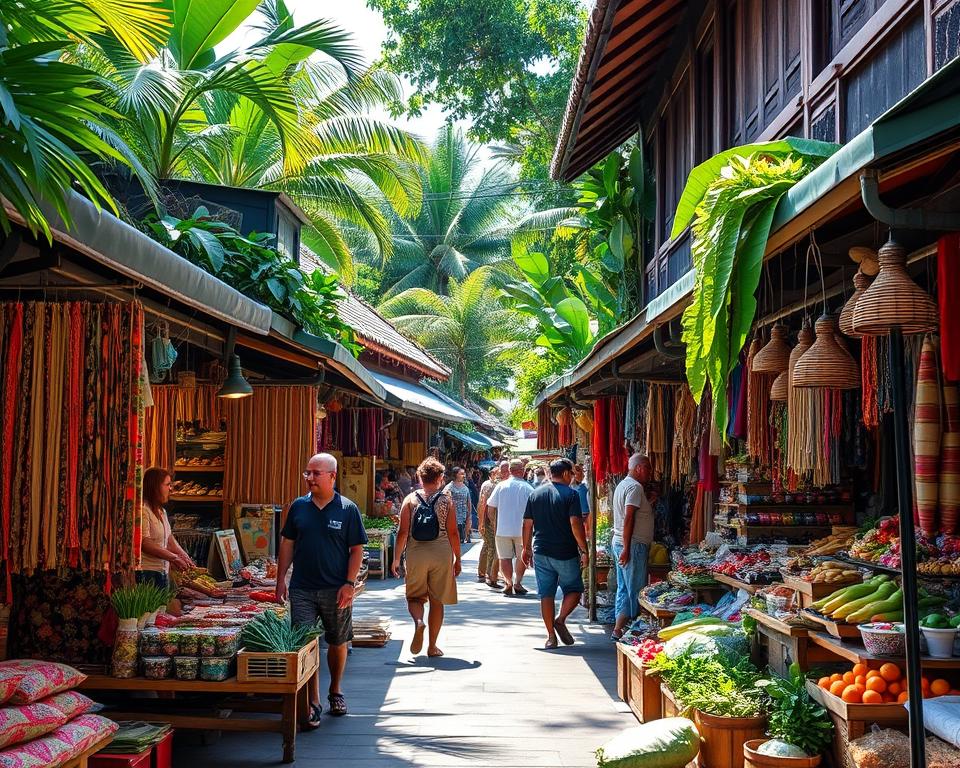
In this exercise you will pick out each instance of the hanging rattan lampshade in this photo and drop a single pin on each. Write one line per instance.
(804, 341)
(827, 363)
(894, 299)
(861, 282)
(781, 385)
(775, 355)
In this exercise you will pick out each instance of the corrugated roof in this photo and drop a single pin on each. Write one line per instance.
(423, 399)
(375, 330)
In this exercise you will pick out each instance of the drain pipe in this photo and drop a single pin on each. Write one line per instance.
(668, 347)
(901, 218)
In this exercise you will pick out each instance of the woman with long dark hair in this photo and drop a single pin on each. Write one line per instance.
(160, 548)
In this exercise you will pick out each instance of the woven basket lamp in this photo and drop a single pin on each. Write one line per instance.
(894, 299)
(827, 363)
(861, 281)
(781, 385)
(775, 355)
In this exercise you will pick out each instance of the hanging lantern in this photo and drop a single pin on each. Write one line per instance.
(861, 281)
(781, 385)
(775, 355)
(827, 363)
(804, 342)
(894, 300)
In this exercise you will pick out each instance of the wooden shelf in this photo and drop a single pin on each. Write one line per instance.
(219, 441)
(885, 714)
(656, 611)
(737, 584)
(775, 624)
(193, 468)
(788, 507)
(206, 499)
(853, 650)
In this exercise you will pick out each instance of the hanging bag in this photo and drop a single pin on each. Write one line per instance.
(425, 523)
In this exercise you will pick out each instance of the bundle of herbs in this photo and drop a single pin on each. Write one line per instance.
(703, 683)
(270, 633)
(134, 602)
(794, 716)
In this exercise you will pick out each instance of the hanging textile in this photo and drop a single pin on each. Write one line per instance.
(355, 432)
(948, 289)
(601, 450)
(684, 448)
(547, 437)
(618, 455)
(564, 427)
(738, 401)
(630, 414)
(270, 438)
(758, 409)
(71, 462)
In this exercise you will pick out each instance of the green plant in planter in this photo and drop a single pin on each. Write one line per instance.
(703, 683)
(794, 717)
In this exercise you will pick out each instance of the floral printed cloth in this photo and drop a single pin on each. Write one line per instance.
(65, 743)
(39, 679)
(28, 721)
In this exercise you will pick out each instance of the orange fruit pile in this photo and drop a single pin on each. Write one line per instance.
(884, 685)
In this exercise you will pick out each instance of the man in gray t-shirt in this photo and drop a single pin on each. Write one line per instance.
(632, 536)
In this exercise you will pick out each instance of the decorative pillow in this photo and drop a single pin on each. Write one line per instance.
(28, 721)
(9, 680)
(62, 745)
(39, 679)
(71, 703)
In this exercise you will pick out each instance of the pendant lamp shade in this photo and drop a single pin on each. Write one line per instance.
(775, 356)
(861, 281)
(894, 299)
(827, 363)
(805, 340)
(235, 386)
(780, 388)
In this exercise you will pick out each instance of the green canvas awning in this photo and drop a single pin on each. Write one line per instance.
(467, 440)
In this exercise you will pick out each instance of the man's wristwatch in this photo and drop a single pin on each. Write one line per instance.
(352, 583)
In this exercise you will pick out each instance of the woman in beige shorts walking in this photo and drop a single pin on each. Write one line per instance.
(428, 533)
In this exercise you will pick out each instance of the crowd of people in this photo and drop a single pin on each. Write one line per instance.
(527, 517)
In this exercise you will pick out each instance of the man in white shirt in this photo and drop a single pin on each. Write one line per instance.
(508, 502)
(633, 527)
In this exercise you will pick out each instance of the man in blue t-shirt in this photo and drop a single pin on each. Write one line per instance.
(553, 539)
(323, 538)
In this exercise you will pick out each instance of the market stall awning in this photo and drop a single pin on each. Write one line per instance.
(489, 442)
(420, 400)
(106, 239)
(467, 440)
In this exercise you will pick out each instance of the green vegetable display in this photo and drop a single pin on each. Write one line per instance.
(723, 689)
(270, 633)
(793, 716)
(134, 602)
(668, 743)
(378, 523)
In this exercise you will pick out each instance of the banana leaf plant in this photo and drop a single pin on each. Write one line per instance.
(730, 200)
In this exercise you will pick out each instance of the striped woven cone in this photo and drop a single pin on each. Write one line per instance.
(950, 462)
(861, 282)
(926, 437)
(894, 300)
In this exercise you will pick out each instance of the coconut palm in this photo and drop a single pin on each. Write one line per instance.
(52, 119)
(463, 224)
(467, 329)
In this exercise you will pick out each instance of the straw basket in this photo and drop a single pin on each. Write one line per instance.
(781, 386)
(894, 299)
(775, 355)
(187, 378)
(861, 282)
(926, 437)
(827, 363)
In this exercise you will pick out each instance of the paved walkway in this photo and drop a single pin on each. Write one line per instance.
(496, 699)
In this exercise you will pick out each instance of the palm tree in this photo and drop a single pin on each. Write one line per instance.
(467, 329)
(53, 121)
(463, 223)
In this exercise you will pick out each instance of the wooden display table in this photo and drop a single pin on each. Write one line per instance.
(82, 760)
(662, 616)
(730, 581)
(293, 707)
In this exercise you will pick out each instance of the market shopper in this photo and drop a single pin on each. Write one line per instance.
(323, 539)
(554, 543)
(160, 547)
(489, 565)
(460, 493)
(508, 502)
(428, 534)
(633, 526)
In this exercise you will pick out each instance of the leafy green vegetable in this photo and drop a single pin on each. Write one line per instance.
(794, 717)
(732, 218)
(384, 523)
(134, 602)
(704, 683)
(270, 633)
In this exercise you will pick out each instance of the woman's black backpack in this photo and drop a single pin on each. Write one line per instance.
(424, 523)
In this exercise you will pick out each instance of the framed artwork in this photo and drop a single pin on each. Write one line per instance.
(229, 551)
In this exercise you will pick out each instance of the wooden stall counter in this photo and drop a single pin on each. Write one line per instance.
(293, 706)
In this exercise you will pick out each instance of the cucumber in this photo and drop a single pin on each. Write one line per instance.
(892, 603)
(880, 593)
(835, 600)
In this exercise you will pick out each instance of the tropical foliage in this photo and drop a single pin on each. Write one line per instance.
(53, 120)
(467, 329)
(462, 225)
(257, 270)
(731, 199)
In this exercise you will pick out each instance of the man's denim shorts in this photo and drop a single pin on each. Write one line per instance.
(552, 573)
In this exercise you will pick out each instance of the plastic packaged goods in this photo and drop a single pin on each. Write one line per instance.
(157, 667)
(187, 667)
(880, 748)
(215, 668)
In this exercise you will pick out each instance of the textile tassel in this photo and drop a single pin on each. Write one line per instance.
(868, 373)
(601, 453)
(74, 416)
(13, 335)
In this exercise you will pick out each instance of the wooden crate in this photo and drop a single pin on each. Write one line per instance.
(645, 695)
(883, 714)
(624, 667)
(258, 666)
(668, 704)
(809, 593)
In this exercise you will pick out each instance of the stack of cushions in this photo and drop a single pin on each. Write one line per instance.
(42, 721)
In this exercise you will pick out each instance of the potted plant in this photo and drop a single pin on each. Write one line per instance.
(798, 727)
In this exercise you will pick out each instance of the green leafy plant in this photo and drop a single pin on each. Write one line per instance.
(271, 634)
(731, 199)
(133, 602)
(255, 269)
(703, 683)
(794, 717)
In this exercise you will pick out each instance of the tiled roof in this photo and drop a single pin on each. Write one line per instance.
(375, 330)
